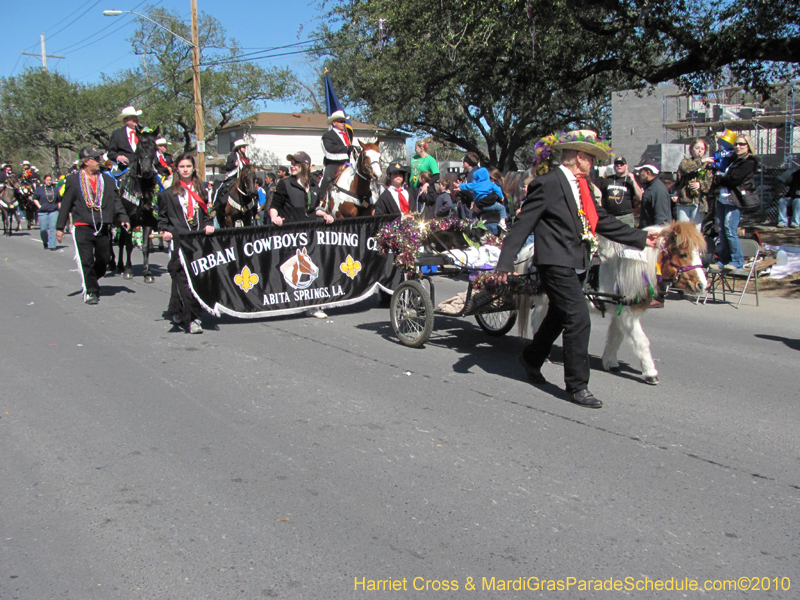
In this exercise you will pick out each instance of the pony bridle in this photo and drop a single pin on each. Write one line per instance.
(680, 270)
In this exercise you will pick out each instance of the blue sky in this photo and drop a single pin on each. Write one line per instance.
(66, 25)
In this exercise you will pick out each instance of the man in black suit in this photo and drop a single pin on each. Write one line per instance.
(337, 147)
(92, 199)
(163, 164)
(562, 238)
(123, 141)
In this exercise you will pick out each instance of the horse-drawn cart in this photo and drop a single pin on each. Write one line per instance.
(413, 306)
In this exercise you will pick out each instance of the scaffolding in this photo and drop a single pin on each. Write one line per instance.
(770, 123)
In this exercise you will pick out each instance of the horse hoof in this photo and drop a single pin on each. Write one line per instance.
(614, 369)
(128, 274)
(652, 380)
(149, 279)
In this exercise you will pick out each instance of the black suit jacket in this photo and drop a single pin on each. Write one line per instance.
(171, 217)
(334, 148)
(119, 144)
(111, 209)
(551, 213)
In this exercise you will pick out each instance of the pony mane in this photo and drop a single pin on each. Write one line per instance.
(685, 236)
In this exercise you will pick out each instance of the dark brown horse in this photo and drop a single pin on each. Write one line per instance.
(242, 200)
(353, 191)
(8, 204)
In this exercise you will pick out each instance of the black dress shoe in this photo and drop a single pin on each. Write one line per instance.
(534, 374)
(585, 398)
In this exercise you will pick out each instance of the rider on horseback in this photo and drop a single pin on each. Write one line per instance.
(338, 148)
(236, 160)
(123, 141)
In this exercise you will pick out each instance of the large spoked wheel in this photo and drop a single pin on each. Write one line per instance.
(411, 311)
(497, 323)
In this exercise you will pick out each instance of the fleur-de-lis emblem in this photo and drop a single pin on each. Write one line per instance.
(246, 280)
(350, 267)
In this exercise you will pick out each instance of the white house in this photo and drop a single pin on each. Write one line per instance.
(272, 136)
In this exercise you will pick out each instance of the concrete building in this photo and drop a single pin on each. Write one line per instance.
(272, 136)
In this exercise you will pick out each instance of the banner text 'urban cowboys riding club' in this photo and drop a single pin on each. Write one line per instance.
(269, 271)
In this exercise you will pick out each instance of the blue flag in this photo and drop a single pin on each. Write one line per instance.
(332, 103)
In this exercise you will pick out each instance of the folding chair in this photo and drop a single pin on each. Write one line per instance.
(725, 280)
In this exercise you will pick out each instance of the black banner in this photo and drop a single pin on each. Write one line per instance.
(270, 271)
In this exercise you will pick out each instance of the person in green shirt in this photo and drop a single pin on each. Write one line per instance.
(421, 162)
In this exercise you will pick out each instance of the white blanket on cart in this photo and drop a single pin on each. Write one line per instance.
(481, 258)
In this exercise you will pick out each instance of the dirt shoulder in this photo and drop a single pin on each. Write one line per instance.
(788, 287)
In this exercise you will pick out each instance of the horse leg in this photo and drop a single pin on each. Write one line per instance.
(124, 265)
(613, 342)
(148, 276)
(632, 321)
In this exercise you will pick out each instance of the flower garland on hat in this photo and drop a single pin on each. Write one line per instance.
(543, 149)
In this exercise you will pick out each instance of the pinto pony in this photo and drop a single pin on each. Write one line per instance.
(354, 190)
(628, 282)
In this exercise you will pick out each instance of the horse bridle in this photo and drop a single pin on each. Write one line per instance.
(370, 176)
(680, 270)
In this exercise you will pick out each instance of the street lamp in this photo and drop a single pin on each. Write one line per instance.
(198, 104)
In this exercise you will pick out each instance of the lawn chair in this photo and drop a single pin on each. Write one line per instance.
(725, 280)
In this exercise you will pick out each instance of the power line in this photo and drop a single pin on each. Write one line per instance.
(19, 58)
(75, 19)
(71, 46)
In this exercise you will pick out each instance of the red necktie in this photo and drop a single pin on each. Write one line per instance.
(401, 199)
(133, 138)
(162, 161)
(346, 139)
(588, 203)
(193, 197)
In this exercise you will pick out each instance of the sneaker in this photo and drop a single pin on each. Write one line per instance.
(503, 225)
(195, 326)
(731, 267)
(319, 314)
(781, 225)
(91, 298)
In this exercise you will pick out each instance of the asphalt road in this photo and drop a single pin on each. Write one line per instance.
(301, 458)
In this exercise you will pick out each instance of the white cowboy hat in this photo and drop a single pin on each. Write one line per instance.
(128, 111)
(239, 144)
(584, 140)
(337, 116)
(25, 162)
(161, 142)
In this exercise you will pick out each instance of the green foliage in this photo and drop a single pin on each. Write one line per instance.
(231, 86)
(45, 111)
(492, 77)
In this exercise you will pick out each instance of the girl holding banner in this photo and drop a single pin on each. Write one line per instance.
(182, 210)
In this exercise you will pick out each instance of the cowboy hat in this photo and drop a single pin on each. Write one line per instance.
(25, 162)
(128, 111)
(239, 144)
(337, 116)
(161, 142)
(584, 140)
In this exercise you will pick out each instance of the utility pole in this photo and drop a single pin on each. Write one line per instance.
(44, 55)
(198, 102)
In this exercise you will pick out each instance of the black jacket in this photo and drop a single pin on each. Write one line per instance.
(171, 217)
(73, 203)
(551, 213)
(119, 144)
(738, 178)
(656, 205)
(293, 202)
(386, 204)
(334, 148)
(164, 172)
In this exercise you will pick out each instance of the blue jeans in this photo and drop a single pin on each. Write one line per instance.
(47, 228)
(729, 250)
(783, 206)
(689, 212)
(497, 206)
